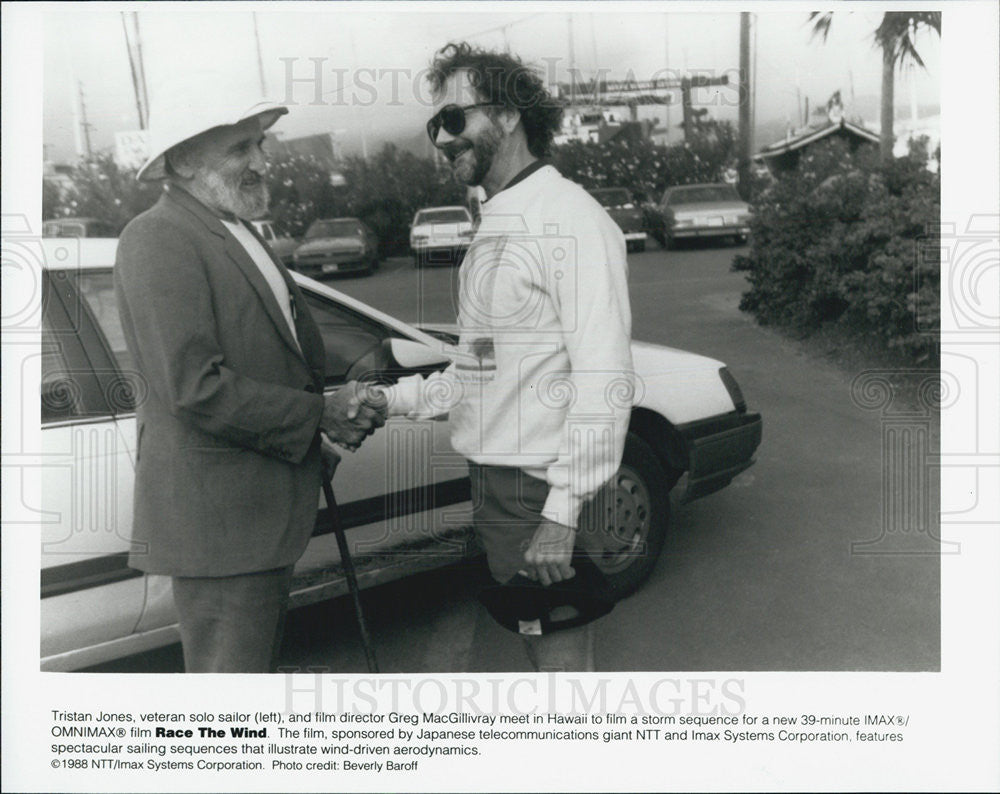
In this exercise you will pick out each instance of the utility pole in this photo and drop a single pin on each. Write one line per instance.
(798, 98)
(572, 61)
(753, 91)
(686, 108)
(744, 153)
(260, 59)
(141, 68)
(361, 116)
(593, 55)
(666, 65)
(83, 120)
(135, 75)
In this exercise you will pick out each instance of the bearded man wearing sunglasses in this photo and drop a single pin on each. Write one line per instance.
(540, 393)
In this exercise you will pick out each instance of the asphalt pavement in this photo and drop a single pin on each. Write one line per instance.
(821, 556)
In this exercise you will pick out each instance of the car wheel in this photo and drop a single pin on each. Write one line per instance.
(640, 246)
(629, 519)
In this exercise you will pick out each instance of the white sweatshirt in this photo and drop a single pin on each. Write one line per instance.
(543, 377)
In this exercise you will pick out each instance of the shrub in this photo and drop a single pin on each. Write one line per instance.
(384, 191)
(844, 240)
(102, 190)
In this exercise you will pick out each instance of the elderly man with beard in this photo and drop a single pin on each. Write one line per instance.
(540, 393)
(234, 434)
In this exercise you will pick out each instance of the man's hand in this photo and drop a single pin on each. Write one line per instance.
(352, 413)
(549, 553)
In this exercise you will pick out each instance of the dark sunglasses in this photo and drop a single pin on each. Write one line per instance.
(452, 118)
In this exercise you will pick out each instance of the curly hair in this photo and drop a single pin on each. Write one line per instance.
(504, 79)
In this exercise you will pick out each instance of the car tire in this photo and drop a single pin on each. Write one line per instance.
(639, 246)
(629, 519)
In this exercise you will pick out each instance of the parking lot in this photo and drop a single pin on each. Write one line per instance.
(799, 564)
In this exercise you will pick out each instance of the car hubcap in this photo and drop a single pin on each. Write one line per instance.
(627, 516)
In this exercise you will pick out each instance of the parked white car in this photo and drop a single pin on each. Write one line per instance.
(440, 235)
(403, 496)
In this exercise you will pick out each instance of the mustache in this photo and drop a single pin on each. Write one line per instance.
(453, 149)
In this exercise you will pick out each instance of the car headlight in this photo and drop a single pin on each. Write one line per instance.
(734, 389)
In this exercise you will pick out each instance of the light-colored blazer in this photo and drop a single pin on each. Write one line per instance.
(227, 458)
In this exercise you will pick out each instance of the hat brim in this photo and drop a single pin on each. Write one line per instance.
(155, 167)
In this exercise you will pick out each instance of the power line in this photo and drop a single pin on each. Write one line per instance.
(501, 28)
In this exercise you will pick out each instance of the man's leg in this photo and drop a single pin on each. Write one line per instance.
(508, 505)
(232, 624)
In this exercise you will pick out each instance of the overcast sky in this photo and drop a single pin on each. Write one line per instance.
(372, 57)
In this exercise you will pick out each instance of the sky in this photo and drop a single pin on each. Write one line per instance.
(370, 58)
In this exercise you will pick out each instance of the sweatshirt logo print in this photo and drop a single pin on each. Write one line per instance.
(480, 351)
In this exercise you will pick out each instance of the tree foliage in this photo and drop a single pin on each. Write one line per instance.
(848, 241)
(643, 166)
(100, 189)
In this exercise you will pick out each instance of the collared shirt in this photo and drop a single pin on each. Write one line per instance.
(267, 269)
(523, 174)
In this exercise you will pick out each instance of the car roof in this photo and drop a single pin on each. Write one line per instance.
(75, 253)
(448, 207)
(97, 253)
(699, 184)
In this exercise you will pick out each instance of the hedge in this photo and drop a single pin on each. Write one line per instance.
(845, 242)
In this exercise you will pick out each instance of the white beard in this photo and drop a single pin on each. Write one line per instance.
(245, 203)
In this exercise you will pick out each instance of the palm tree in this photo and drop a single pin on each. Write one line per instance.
(895, 36)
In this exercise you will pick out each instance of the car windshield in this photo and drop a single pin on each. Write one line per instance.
(702, 194)
(442, 216)
(334, 229)
(612, 198)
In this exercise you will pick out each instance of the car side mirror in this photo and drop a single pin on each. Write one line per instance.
(410, 355)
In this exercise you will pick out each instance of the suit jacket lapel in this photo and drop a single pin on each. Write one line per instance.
(310, 341)
(310, 348)
(242, 259)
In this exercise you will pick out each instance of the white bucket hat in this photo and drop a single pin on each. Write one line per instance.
(182, 114)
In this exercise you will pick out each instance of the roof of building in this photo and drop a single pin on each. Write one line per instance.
(818, 133)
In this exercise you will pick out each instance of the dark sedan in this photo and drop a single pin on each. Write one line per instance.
(337, 245)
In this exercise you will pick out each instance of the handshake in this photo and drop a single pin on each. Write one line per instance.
(353, 413)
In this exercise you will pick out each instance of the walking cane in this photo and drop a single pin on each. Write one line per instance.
(348, 563)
